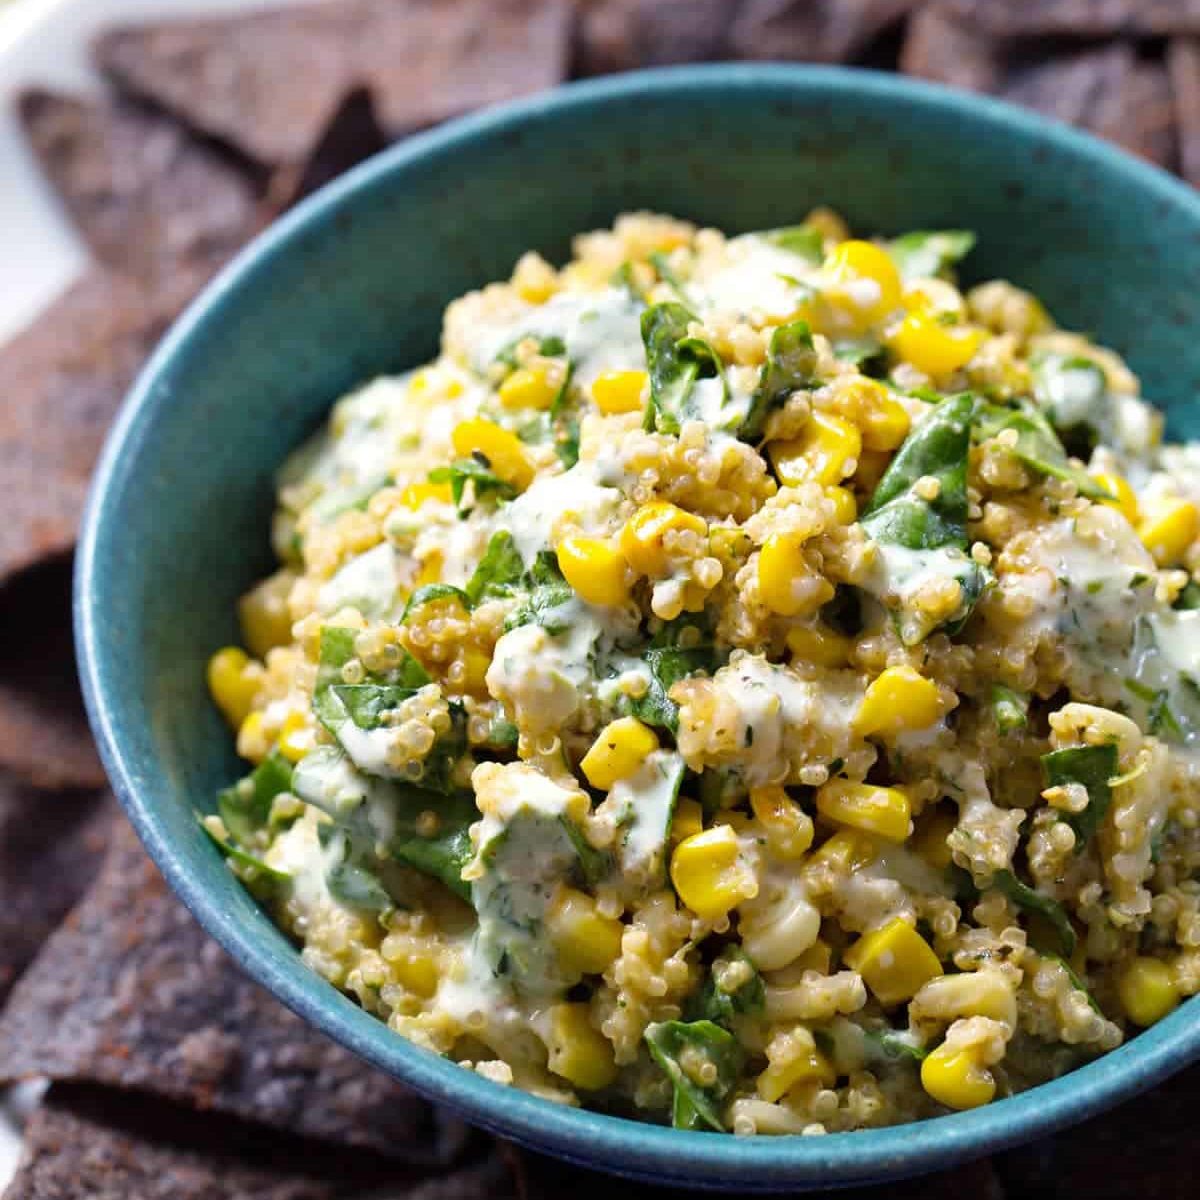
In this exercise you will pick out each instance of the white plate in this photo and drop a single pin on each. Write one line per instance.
(43, 43)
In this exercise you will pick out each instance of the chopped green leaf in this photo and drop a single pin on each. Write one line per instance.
(477, 472)
(791, 364)
(676, 361)
(1092, 767)
(256, 869)
(925, 253)
(1189, 597)
(746, 996)
(894, 1045)
(349, 879)
(548, 592)
(499, 571)
(1010, 709)
(547, 347)
(246, 806)
(1023, 896)
(429, 593)
(804, 241)
(695, 1105)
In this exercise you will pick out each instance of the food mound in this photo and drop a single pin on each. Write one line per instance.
(742, 682)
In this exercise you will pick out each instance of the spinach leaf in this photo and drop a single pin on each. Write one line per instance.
(593, 865)
(1164, 682)
(349, 879)
(429, 593)
(256, 869)
(898, 516)
(861, 351)
(923, 253)
(548, 592)
(413, 825)
(675, 361)
(477, 472)
(1093, 767)
(715, 1004)
(547, 347)
(1073, 392)
(804, 241)
(1037, 446)
(246, 806)
(695, 1106)
(1189, 598)
(1023, 896)
(662, 268)
(791, 364)
(1010, 709)
(499, 571)
(893, 1045)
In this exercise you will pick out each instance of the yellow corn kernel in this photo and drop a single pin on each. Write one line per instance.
(932, 347)
(643, 537)
(847, 850)
(595, 569)
(898, 701)
(956, 1078)
(894, 961)
(929, 840)
(884, 811)
(264, 615)
(1124, 500)
(416, 972)
(530, 387)
(1168, 529)
(818, 646)
(586, 941)
(882, 420)
(579, 1052)
(252, 743)
(430, 570)
(788, 827)
(417, 494)
(618, 752)
(818, 957)
(620, 391)
(233, 681)
(786, 583)
(808, 1066)
(845, 506)
(708, 873)
(295, 737)
(826, 451)
(502, 450)
(1147, 990)
(853, 264)
(687, 820)
(475, 668)
(871, 466)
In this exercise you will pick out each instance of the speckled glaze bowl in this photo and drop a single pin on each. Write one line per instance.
(354, 282)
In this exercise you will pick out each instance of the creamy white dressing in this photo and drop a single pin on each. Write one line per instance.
(371, 582)
(531, 518)
(644, 803)
(754, 274)
(297, 851)
(600, 330)
(902, 574)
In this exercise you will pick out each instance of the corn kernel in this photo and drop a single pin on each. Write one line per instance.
(884, 811)
(846, 851)
(233, 681)
(475, 668)
(957, 1079)
(708, 873)
(826, 451)
(252, 743)
(853, 264)
(1168, 529)
(642, 539)
(688, 819)
(932, 830)
(845, 506)
(818, 646)
(586, 941)
(932, 347)
(295, 737)
(417, 494)
(1124, 500)
(595, 569)
(789, 828)
(502, 450)
(618, 752)
(882, 420)
(818, 957)
(894, 961)
(264, 615)
(809, 1066)
(530, 387)
(430, 570)
(620, 391)
(898, 701)
(786, 583)
(416, 972)
(1147, 990)
(578, 1051)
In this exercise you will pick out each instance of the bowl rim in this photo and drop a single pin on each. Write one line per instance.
(585, 1137)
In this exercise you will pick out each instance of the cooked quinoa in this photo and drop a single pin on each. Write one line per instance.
(743, 682)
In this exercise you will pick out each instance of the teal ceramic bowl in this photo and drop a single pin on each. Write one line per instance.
(354, 282)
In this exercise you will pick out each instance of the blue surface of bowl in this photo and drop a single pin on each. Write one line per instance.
(353, 283)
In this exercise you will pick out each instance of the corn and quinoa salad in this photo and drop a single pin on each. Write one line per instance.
(743, 682)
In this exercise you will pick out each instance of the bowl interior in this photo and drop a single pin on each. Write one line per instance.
(354, 283)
